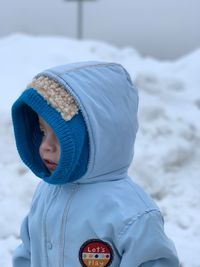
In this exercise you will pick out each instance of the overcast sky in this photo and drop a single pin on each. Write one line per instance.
(165, 29)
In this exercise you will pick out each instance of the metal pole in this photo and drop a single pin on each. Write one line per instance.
(80, 19)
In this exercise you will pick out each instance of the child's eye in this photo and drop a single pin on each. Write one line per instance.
(42, 132)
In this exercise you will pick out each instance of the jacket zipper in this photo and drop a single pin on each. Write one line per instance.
(63, 225)
(45, 218)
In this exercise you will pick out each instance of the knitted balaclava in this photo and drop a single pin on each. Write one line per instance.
(54, 103)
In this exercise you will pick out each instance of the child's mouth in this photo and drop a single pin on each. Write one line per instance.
(50, 164)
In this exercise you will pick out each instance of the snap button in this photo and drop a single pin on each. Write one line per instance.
(49, 245)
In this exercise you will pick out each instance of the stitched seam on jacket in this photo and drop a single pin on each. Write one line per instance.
(105, 173)
(89, 66)
(133, 220)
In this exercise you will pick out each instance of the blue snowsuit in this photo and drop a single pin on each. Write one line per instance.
(103, 218)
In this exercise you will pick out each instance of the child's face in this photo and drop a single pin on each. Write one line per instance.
(49, 148)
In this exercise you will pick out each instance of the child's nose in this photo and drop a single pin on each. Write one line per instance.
(47, 145)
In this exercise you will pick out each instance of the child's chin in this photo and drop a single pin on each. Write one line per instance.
(52, 170)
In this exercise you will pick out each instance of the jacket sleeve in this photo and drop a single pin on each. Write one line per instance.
(143, 243)
(21, 256)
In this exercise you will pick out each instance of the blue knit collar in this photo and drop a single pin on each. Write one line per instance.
(28, 138)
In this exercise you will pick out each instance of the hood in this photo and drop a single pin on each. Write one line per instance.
(109, 103)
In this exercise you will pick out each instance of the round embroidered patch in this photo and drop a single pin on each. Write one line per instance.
(95, 252)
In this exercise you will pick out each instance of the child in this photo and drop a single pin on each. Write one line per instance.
(75, 127)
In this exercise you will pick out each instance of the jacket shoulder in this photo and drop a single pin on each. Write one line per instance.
(131, 198)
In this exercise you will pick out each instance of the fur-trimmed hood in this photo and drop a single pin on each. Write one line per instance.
(108, 102)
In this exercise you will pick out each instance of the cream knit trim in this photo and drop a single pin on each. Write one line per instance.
(55, 95)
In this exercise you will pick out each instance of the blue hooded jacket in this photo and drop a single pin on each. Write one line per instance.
(103, 218)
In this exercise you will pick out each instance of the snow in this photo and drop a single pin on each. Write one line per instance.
(166, 162)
